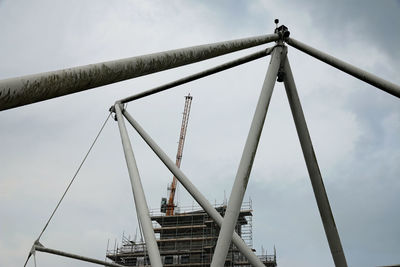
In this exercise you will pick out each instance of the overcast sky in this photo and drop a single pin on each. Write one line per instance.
(355, 127)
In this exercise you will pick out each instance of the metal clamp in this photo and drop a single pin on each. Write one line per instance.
(282, 31)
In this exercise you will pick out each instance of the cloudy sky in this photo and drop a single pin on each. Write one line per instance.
(355, 127)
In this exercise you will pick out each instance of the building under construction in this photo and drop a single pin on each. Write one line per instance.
(188, 238)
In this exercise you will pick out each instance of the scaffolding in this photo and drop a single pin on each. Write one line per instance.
(188, 238)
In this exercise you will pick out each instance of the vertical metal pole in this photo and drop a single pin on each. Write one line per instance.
(194, 192)
(138, 193)
(246, 162)
(313, 169)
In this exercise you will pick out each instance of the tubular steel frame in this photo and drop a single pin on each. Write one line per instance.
(24, 90)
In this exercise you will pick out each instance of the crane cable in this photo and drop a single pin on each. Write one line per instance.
(32, 252)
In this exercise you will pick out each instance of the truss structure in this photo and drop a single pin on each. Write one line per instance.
(34, 88)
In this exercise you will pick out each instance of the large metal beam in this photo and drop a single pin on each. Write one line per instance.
(193, 191)
(142, 209)
(246, 162)
(74, 256)
(198, 75)
(19, 91)
(363, 75)
(313, 169)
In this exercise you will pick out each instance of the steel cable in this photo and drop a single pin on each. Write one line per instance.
(66, 190)
(75, 175)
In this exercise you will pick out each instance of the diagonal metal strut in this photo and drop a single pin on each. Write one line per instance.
(74, 256)
(363, 75)
(246, 162)
(19, 91)
(313, 169)
(194, 192)
(199, 75)
(142, 209)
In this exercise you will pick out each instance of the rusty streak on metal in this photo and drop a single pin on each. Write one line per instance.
(19, 91)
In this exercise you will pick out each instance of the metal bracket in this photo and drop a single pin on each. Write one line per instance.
(112, 110)
(282, 31)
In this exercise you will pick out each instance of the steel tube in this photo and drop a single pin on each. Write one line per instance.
(138, 193)
(74, 256)
(363, 75)
(313, 169)
(199, 75)
(246, 162)
(194, 192)
(19, 91)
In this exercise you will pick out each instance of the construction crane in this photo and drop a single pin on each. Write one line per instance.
(169, 207)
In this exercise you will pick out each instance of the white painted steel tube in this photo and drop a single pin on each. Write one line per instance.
(74, 256)
(194, 192)
(363, 75)
(246, 162)
(19, 91)
(199, 75)
(313, 169)
(138, 193)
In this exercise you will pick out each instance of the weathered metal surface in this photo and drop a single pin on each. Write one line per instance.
(313, 169)
(74, 256)
(363, 75)
(193, 191)
(246, 162)
(142, 209)
(199, 75)
(19, 91)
